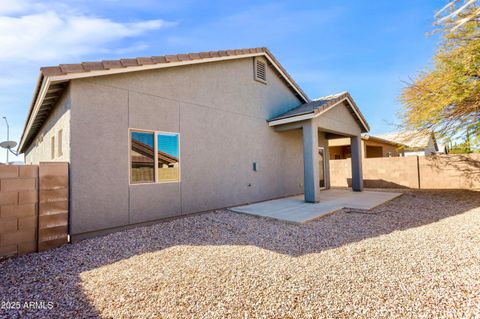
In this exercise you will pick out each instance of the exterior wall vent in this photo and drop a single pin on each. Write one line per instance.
(260, 67)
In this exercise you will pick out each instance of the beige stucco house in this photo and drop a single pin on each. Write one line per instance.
(372, 146)
(416, 143)
(156, 137)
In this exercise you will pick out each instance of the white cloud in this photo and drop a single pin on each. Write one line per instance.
(48, 35)
(35, 33)
(14, 6)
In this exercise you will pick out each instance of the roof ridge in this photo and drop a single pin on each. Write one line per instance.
(66, 72)
(87, 66)
(331, 96)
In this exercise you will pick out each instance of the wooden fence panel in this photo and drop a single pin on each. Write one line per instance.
(53, 205)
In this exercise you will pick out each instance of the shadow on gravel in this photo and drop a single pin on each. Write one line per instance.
(54, 276)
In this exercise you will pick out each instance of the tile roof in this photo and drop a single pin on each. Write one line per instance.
(64, 69)
(64, 72)
(321, 104)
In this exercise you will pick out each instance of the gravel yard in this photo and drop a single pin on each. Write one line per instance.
(416, 256)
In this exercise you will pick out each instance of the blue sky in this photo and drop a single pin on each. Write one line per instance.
(365, 47)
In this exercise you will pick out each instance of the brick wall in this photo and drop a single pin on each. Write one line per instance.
(426, 172)
(19, 207)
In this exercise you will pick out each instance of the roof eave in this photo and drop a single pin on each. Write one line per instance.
(40, 83)
(317, 112)
(47, 77)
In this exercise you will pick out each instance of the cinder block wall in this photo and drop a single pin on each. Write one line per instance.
(340, 172)
(450, 171)
(424, 172)
(390, 172)
(33, 207)
(18, 209)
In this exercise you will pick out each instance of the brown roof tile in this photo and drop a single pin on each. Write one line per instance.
(171, 58)
(183, 57)
(71, 68)
(111, 64)
(129, 62)
(92, 66)
(145, 61)
(194, 56)
(159, 59)
(51, 70)
(222, 53)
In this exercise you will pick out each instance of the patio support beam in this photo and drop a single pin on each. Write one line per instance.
(356, 153)
(311, 179)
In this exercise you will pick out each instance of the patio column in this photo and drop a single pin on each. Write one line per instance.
(357, 175)
(311, 180)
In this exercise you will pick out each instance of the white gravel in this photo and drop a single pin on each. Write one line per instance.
(416, 256)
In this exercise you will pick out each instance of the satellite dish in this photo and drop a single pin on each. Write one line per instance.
(8, 144)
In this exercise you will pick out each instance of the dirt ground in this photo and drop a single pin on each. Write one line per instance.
(416, 256)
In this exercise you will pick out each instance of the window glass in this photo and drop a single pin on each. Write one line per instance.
(60, 142)
(142, 157)
(168, 157)
(52, 148)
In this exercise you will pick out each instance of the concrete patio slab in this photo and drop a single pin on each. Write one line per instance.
(295, 209)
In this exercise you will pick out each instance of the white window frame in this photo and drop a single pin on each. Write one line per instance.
(155, 163)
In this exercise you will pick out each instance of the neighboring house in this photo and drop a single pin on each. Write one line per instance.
(164, 136)
(372, 146)
(416, 144)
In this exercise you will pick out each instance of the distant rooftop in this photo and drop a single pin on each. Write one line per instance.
(410, 138)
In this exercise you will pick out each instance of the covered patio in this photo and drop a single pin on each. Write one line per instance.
(330, 117)
(295, 209)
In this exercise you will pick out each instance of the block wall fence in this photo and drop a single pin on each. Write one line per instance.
(420, 172)
(33, 207)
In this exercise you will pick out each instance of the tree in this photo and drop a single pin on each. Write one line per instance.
(446, 98)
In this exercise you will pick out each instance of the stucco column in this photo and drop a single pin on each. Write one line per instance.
(357, 174)
(311, 181)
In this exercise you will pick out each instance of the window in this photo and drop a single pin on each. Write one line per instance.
(154, 157)
(52, 148)
(60, 150)
(168, 161)
(260, 70)
(142, 157)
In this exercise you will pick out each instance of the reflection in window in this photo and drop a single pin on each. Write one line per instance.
(142, 157)
(168, 157)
